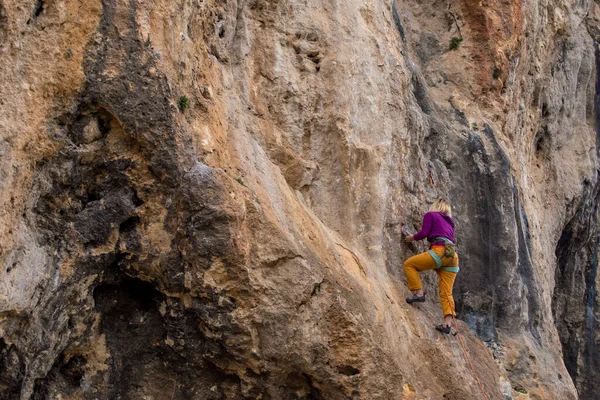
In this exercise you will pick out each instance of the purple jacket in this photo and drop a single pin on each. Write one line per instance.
(436, 224)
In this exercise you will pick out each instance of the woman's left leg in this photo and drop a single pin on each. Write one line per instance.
(414, 265)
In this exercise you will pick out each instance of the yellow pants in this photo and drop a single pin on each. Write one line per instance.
(423, 262)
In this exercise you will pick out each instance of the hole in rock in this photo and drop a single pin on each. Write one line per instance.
(545, 111)
(315, 394)
(136, 200)
(129, 224)
(539, 145)
(348, 370)
(73, 370)
(127, 296)
(39, 8)
(11, 267)
(542, 143)
(314, 56)
(104, 122)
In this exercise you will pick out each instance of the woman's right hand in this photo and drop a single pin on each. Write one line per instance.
(409, 238)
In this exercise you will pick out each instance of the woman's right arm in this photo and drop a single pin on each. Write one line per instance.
(425, 228)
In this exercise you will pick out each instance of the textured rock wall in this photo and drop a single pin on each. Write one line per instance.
(251, 245)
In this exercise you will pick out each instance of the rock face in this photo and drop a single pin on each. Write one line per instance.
(250, 246)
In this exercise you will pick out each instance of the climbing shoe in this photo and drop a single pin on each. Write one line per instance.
(415, 299)
(443, 329)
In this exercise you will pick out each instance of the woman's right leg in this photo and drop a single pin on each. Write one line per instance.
(412, 267)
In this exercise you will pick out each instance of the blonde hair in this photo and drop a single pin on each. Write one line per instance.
(442, 206)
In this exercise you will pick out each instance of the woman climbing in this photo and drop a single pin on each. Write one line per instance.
(438, 228)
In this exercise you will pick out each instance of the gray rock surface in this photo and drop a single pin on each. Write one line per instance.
(251, 245)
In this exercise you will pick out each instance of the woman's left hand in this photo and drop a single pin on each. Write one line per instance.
(409, 238)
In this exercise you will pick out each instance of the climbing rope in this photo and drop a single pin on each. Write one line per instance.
(462, 344)
(457, 333)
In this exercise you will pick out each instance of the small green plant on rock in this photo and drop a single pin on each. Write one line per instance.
(454, 43)
(520, 390)
(240, 181)
(183, 103)
(496, 73)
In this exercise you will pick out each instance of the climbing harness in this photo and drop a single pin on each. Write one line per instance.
(462, 344)
(449, 251)
(430, 169)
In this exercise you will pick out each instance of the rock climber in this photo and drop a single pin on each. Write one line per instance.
(438, 228)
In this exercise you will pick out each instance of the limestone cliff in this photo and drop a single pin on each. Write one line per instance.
(205, 199)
